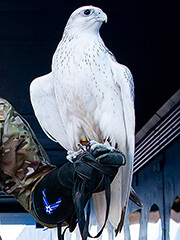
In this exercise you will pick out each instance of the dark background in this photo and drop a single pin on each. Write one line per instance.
(143, 35)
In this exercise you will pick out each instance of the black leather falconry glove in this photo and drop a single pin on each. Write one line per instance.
(61, 196)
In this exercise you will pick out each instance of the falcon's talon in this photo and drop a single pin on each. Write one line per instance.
(112, 150)
(82, 147)
(90, 145)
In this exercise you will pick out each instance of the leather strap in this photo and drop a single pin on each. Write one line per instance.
(79, 193)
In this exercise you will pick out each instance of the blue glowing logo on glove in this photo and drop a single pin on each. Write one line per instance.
(49, 208)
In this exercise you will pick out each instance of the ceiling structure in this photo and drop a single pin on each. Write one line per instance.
(143, 35)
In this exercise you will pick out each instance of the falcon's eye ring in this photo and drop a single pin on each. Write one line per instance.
(87, 12)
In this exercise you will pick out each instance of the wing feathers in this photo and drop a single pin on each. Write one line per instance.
(46, 110)
(123, 133)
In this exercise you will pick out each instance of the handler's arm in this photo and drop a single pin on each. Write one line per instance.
(23, 162)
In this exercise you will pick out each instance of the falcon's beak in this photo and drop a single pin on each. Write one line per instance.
(102, 17)
(106, 18)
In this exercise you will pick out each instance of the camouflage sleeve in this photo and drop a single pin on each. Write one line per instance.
(23, 162)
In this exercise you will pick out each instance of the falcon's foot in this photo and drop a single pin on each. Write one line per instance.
(100, 150)
(72, 155)
(92, 145)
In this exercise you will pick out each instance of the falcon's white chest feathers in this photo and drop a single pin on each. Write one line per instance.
(82, 70)
(89, 97)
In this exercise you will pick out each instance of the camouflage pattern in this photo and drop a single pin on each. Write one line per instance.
(23, 162)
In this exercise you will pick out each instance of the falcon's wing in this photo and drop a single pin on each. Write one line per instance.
(120, 187)
(122, 182)
(46, 110)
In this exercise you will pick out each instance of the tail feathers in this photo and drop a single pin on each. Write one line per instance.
(135, 199)
(121, 223)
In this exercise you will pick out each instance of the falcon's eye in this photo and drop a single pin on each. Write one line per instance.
(87, 12)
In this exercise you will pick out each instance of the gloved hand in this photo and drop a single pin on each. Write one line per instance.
(66, 190)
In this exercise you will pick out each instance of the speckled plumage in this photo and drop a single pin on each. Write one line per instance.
(89, 95)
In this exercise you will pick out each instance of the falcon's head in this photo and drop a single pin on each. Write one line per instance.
(85, 19)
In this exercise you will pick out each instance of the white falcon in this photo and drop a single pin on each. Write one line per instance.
(89, 95)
